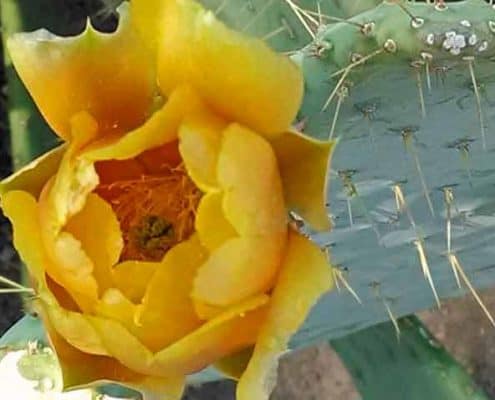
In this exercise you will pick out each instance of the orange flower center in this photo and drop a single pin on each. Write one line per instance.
(155, 211)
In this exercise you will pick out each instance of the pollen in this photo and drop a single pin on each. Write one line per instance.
(155, 212)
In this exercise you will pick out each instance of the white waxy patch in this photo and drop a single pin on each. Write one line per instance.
(450, 34)
(483, 46)
(417, 23)
(368, 28)
(460, 41)
(454, 42)
(390, 46)
(356, 57)
(465, 23)
(430, 39)
(441, 6)
(473, 39)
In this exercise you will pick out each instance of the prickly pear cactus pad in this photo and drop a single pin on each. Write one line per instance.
(409, 89)
(280, 22)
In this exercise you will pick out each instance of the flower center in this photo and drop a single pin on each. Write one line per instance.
(155, 211)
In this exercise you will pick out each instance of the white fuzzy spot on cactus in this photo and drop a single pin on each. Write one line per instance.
(430, 39)
(473, 39)
(483, 46)
(417, 23)
(454, 42)
(465, 23)
(491, 26)
(450, 34)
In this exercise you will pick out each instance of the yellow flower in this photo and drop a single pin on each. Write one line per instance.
(157, 235)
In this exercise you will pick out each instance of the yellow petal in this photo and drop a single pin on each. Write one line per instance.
(212, 227)
(304, 277)
(75, 178)
(111, 76)
(161, 128)
(32, 177)
(114, 305)
(80, 369)
(146, 17)
(22, 211)
(240, 268)
(228, 333)
(240, 77)
(21, 208)
(200, 138)
(206, 311)
(133, 277)
(63, 197)
(304, 164)
(233, 330)
(233, 366)
(66, 262)
(167, 312)
(97, 229)
(248, 173)
(72, 326)
(60, 294)
(123, 345)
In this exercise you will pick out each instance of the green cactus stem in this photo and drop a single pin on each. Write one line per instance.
(414, 367)
(30, 136)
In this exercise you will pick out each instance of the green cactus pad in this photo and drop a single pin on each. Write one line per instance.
(412, 368)
(386, 142)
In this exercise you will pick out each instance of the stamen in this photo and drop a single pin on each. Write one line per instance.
(155, 212)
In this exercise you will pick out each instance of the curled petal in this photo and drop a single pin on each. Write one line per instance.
(304, 277)
(200, 140)
(238, 269)
(240, 77)
(304, 164)
(21, 209)
(212, 226)
(32, 177)
(248, 174)
(72, 326)
(192, 352)
(231, 331)
(167, 312)
(123, 345)
(161, 128)
(63, 197)
(101, 238)
(117, 88)
(66, 262)
(133, 277)
(80, 369)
